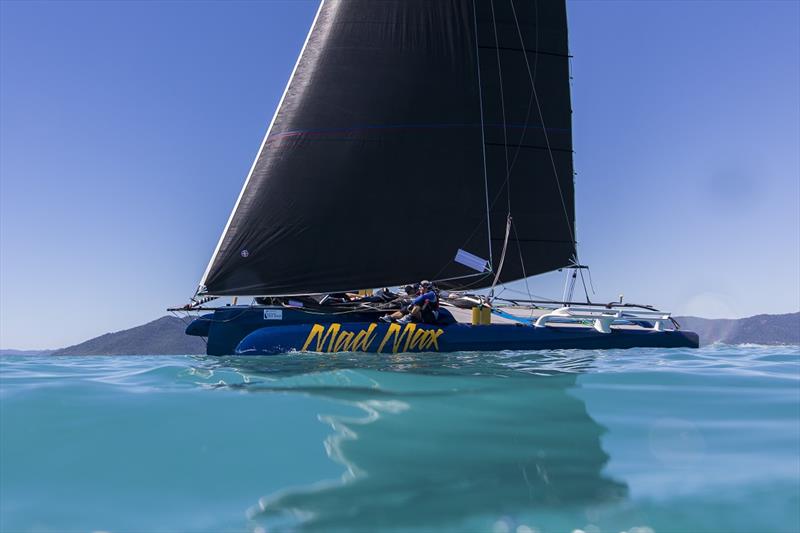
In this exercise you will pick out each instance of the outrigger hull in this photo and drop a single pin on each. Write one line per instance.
(409, 338)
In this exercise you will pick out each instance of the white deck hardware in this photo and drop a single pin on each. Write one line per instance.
(604, 317)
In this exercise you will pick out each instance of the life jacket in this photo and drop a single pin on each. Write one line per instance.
(432, 305)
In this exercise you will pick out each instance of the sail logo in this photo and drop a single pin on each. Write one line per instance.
(398, 338)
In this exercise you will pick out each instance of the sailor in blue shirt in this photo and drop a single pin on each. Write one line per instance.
(423, 308)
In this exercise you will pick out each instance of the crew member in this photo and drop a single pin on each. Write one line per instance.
(423, 308)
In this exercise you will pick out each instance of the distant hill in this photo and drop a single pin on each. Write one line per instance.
(758, 329)
(164, 336)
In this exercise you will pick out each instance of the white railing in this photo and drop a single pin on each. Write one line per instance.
(603, 317)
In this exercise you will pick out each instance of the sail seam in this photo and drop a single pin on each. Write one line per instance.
(261, 149)
(533, 146)
(350, 129)
(528, 50)
(553, 241)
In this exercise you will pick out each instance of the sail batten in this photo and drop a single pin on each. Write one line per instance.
(390, 152)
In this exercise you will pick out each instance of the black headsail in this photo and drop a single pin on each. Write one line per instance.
(403, 124)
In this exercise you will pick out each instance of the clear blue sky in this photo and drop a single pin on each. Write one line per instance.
(127, 129)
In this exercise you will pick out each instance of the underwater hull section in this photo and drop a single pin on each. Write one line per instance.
(408, 338)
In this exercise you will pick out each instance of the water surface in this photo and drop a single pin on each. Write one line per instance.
(605, 441)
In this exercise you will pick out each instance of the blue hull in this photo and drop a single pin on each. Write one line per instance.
(249, 330)
(408, 338)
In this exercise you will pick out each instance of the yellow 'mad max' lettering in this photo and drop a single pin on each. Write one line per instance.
(409, 337)
(339, 342)
(316, 331)
(394, 329)
(420, 339)
(364, 338)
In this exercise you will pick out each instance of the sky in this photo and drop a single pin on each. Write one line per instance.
(127, 129)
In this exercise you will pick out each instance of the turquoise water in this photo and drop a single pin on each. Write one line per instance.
(634, 441)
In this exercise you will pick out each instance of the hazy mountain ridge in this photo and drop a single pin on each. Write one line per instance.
(758, 329)
(165, 336)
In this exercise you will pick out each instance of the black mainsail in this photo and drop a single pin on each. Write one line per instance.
(409, 134)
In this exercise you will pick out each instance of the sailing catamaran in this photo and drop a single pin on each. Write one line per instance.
(415, 139)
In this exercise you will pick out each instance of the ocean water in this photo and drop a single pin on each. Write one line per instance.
(634, 441)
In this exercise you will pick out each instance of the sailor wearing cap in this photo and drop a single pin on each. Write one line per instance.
(423, 308)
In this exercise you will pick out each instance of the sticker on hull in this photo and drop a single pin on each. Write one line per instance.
(273, 314)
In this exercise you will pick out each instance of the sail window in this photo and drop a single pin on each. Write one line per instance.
(472, 261)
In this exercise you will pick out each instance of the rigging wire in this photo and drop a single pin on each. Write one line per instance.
(522, 263)
(591, 283)
(502, 257)
(502, 105)
(583, 281)
(530, 99)
(507, 183)
(483, 135)
(569, 286)
(535, 296)
(485, 171)
(505, 187)
(509, 168)
(533, 97)
(544, 130)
